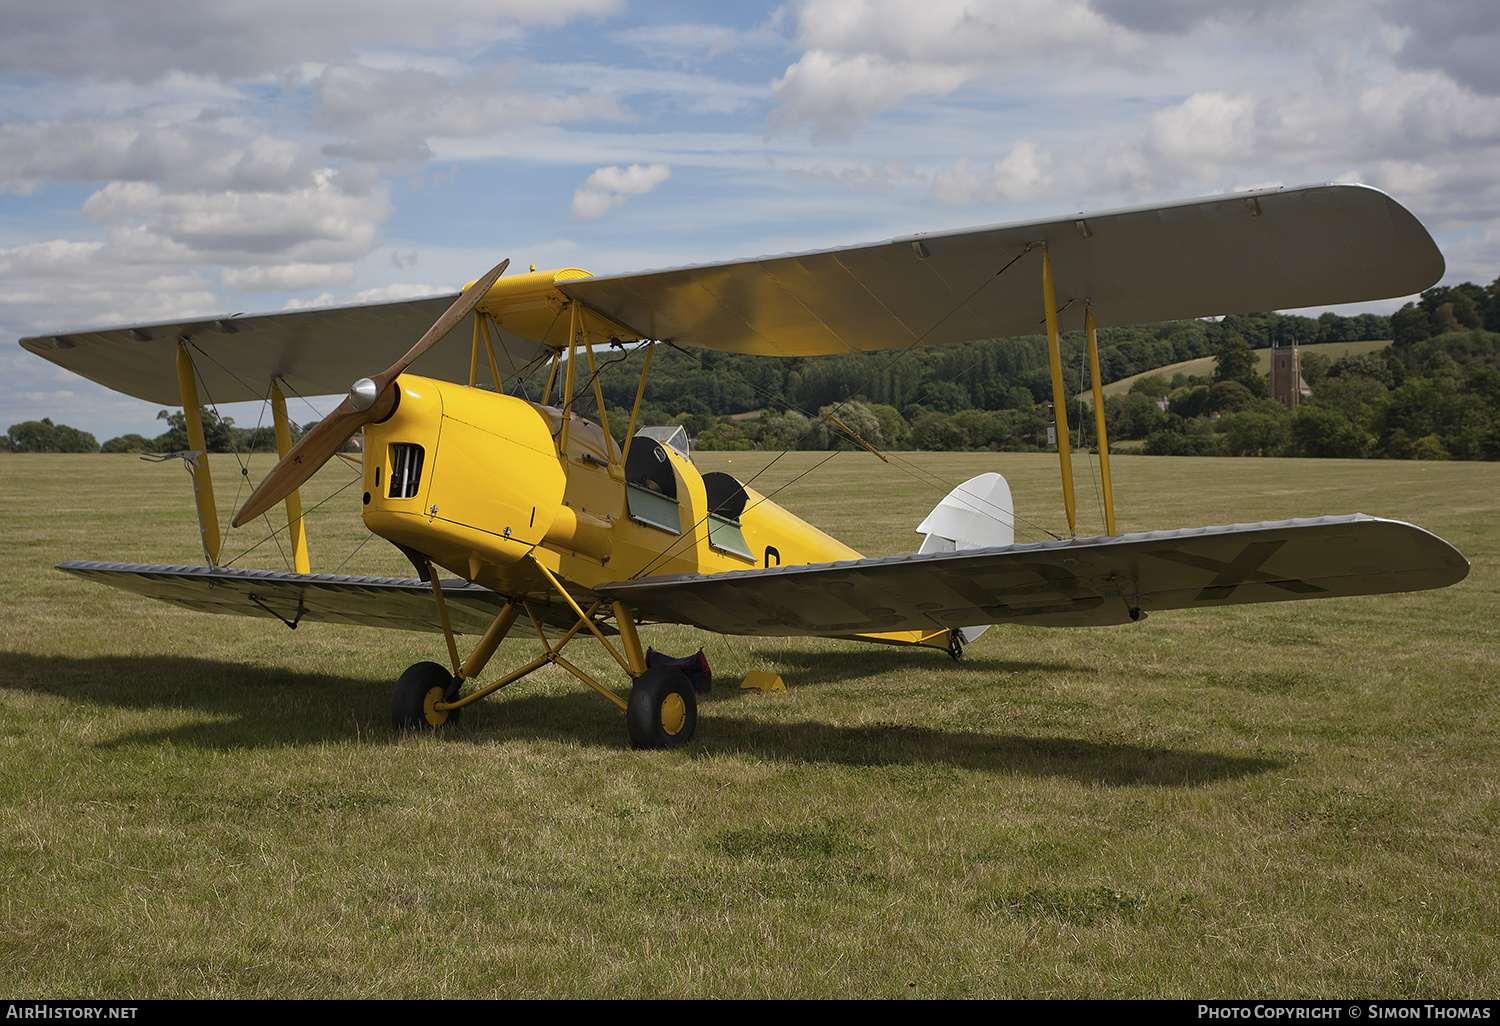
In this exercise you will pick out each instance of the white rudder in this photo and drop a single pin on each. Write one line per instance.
(978, 514)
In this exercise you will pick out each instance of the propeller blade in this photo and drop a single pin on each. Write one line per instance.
(306, 458)
(460, 309)
(323, 442)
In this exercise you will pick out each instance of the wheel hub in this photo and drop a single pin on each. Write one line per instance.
(673, 713)
(436, 717)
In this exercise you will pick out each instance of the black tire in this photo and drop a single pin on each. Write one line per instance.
(663, 710)
(416, 690)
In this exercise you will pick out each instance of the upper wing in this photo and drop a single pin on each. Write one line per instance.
(1083, 582)
(293, 598)
(315, 352)
(1275, 249)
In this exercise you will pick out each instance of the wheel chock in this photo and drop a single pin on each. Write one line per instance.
(760, 680)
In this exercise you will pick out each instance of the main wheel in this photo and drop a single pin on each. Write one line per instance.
(421, 687)
(663, 710)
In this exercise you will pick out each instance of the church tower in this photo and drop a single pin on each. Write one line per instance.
(1287, 386)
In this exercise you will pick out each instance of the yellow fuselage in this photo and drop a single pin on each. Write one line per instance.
(493, 488)
(493, 493)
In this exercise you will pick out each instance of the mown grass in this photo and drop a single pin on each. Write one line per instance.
(1294, 800)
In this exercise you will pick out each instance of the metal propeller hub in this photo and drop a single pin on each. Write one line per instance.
(363, 393)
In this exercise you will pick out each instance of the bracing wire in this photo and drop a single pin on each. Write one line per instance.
(244, 463)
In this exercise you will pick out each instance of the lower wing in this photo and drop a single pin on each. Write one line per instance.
(328, 598)
(1074, 583)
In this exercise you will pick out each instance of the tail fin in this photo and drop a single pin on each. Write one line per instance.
(978, 514)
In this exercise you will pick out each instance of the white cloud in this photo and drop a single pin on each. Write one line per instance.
(1384, 130)
(322, 299)
(609, 187)
(291, 239)
(384, 294)
(87, 148)
(394, 293)
(1458, 37)
(863, 177)
(145, 39)
(281, 146)
(40, 279)
(683, 41)
(388, 115)
(861, 57)
(140, 149)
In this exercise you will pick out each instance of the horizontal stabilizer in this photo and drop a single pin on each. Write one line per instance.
(1072, 583)
(400, 603)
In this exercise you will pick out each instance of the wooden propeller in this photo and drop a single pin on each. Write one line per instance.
(369, 400)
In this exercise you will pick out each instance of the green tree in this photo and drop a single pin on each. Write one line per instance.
(722, 437)
(1197, 438)
(127, 443)
(1154, 385)
(856, 416)
(938, 432)
(1228, 397)
(1322, 431)
(218, 434)
(1235, 361)
(1410, 325)
(44, 436)
(1254, 432)
(1314, 368)
(780, 431)
(894, 429)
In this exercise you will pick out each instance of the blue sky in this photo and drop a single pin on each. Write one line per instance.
(161, 160)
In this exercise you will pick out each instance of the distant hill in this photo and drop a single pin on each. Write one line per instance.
(1204, 366)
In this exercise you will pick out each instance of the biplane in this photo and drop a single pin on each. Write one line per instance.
(541, 515)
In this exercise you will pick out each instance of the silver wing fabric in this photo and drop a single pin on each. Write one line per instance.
(318, 351)
(404, 604)
(1077, 583)
(1274, 249)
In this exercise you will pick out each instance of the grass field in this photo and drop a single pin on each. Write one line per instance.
(1294, 800)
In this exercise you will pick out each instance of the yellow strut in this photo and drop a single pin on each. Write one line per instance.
(498, 629)
(482, 323)
(295, 526)
(1109, 495)
(203, 483)
(567, 404)
(632, 641)
(588, 622)
(1059, 400)
(614, 471)
(442, 609)
(474, 354)
(640, 392)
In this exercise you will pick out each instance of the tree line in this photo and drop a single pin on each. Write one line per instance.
(1433, 392)
(219, 435)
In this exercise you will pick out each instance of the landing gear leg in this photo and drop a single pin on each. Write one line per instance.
(956, 645)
